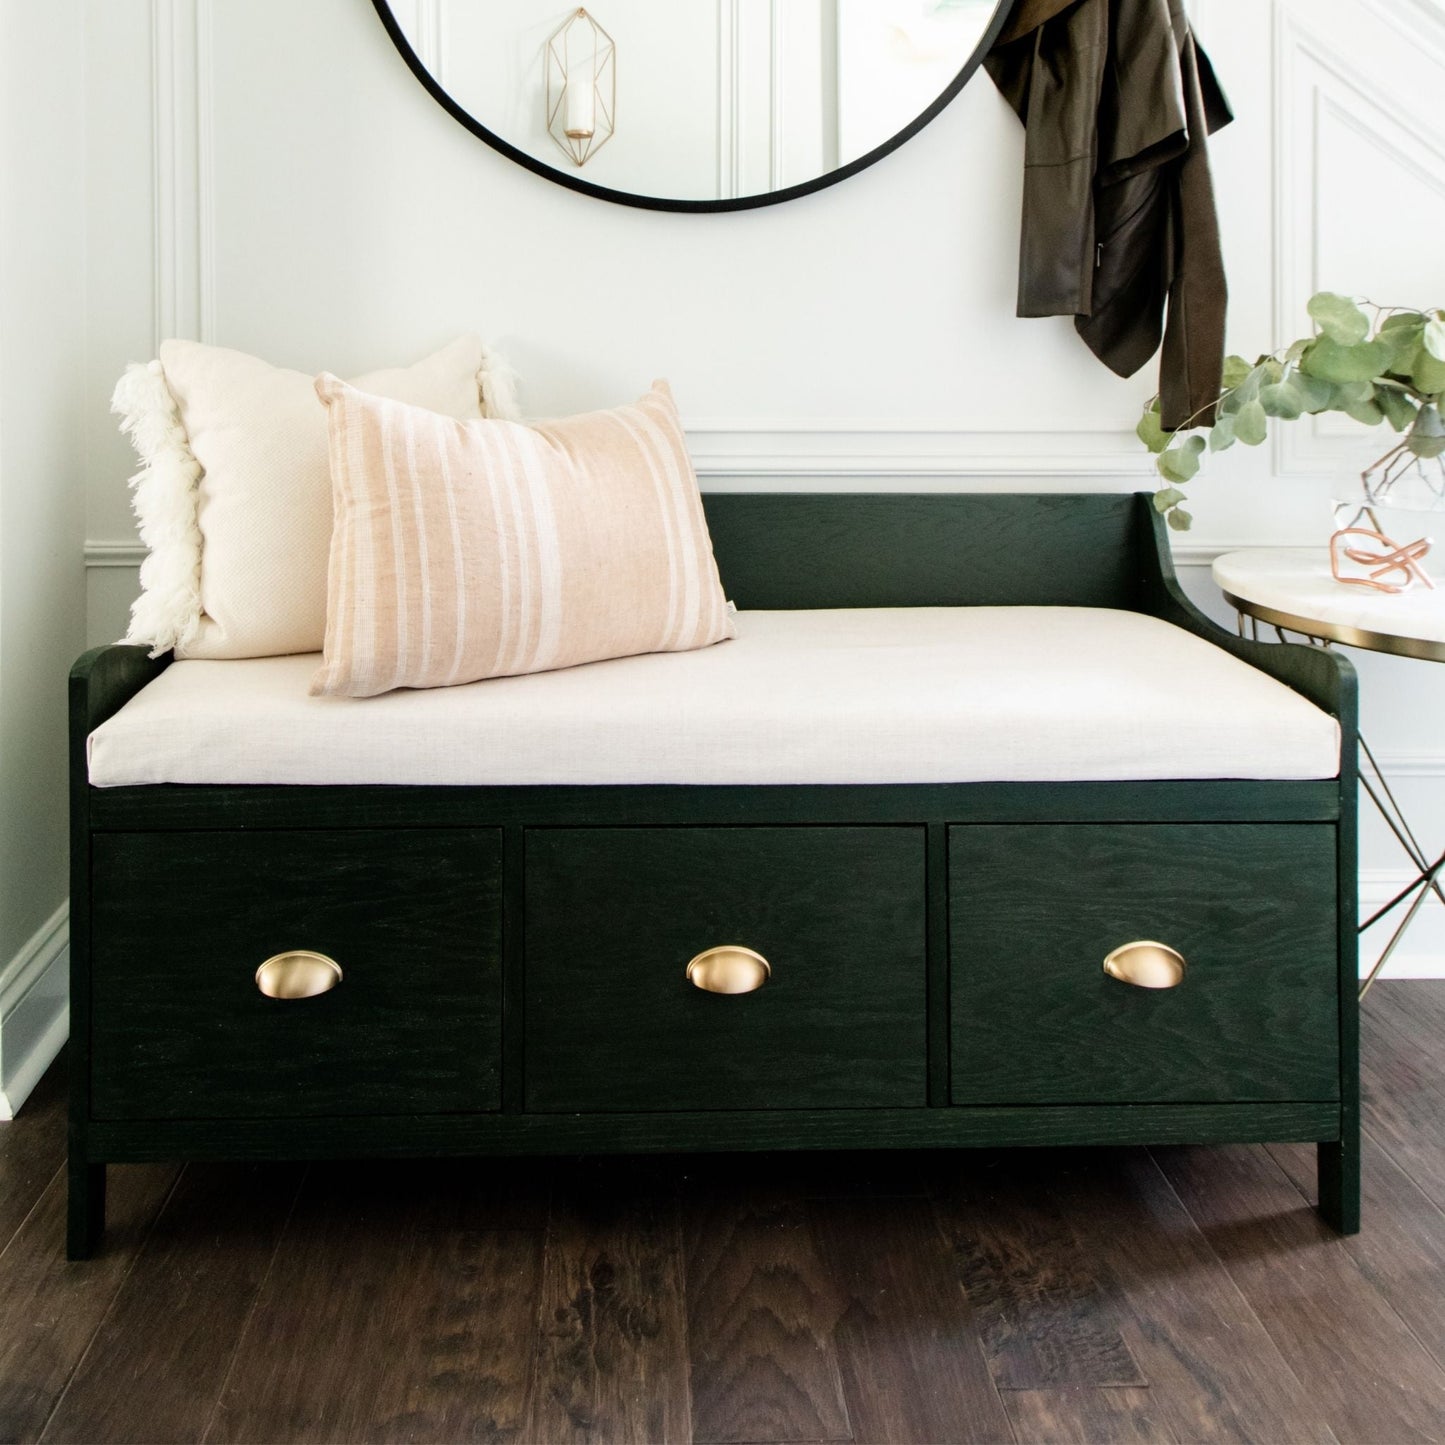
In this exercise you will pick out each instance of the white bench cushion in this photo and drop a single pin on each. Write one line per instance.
(887, 695)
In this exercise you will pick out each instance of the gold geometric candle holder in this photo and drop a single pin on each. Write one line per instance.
(581, 65)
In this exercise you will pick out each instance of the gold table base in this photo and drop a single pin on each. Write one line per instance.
(1322, 634)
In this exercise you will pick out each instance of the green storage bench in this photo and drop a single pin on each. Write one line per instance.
(978, 834)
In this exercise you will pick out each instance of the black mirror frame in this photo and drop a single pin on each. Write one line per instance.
(665, 203)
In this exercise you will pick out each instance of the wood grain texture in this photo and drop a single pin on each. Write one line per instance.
(1402, 1252)
(1046, 1318)
(614, 916)
(100, 683)
(393, 1311)
(1214, 1371)
(1078, 1415)
(181, 1029)
(1170, 1291)
(50, 1309)
(1328, 679)
(183, 808)
(801, 549)
(177, 1320)
(1368, 1374)
(1324, 675)
(762, 1310)
(429, 1135)
(611, 1347)
(1035, 910)
(1403, 1083)
(901, 550)
(907, 1342)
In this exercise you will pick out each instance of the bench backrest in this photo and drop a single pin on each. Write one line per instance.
(783, 550)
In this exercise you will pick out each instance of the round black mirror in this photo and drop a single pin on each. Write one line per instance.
(678, 105)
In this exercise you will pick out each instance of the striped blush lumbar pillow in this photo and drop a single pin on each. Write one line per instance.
(464, 550)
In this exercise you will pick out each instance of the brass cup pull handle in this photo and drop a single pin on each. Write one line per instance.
(298, 973)
(1146, 964)
(729, 969)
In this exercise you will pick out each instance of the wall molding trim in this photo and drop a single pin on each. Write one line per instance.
(34, 1009)
(881, 452)
(114, 554)
(183, 162)
(1422, 952)
(1316, 83)
(121, 553)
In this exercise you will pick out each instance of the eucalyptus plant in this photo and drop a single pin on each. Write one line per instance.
(1375, 364)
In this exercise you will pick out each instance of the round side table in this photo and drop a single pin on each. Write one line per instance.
(1291, 589)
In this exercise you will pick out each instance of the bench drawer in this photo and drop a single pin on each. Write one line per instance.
(1036, 909)
(614, 915)
(182, 921)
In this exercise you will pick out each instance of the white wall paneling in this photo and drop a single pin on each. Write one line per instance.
(294, 192)
(43, 313)
(182, 123)
(1358, 162)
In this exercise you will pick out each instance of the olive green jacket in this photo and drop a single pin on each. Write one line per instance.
(1119, 223)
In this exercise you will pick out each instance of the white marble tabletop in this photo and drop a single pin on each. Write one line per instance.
(1291, 586)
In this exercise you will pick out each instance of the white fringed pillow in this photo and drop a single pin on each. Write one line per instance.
(467, 550)
(234, 492)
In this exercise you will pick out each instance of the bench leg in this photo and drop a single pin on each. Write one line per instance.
(85, 1215)
(1339, 1182)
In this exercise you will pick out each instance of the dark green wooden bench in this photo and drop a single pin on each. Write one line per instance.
(508, 940)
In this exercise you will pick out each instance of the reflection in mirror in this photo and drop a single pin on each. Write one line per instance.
(707, 100)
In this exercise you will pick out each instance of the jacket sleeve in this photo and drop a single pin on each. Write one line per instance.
(1052, 76)
(1159, 245)
(1192, 362)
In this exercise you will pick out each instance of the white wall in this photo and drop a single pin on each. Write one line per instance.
(268, 175)
(42, 627)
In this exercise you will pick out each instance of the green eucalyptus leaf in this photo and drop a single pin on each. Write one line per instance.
(1298, 349)
(1367, 413)
(1434, 338)
(1331, 361)
(1427, 372)
(1246, 392)
(1396, 319)
(1404, 341)
(1339, 318)
(1398, 408)
(1313, 395)
(1236, 368)
(1221, 434)
(1167, 497)
(1427, 437)
(1150, 432)
(1280, 399)
(1251, 425)
(1352, 393)
(1181, 462)
(1180, 520)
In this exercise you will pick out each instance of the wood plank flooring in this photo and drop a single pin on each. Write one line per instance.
(1029, 1296)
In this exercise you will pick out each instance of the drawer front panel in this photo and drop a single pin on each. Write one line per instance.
(615, 914)
(1034, 911)
(181, 1030)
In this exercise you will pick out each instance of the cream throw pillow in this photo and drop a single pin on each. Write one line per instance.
(234, 498)
(465, 550)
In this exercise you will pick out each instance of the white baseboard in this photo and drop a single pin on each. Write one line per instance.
(34, 1010)
(1421, 953)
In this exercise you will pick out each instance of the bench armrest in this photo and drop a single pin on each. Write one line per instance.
(1324, 676)
(102, 681)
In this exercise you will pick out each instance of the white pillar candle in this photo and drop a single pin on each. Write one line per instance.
(581, 106)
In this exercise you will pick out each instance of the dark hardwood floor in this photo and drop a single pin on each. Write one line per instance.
(1072, 1295)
